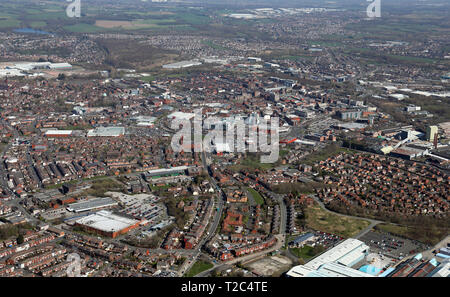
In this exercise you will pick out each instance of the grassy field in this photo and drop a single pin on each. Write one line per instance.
(253, 162)
(101, 186)
(157, 188)
(199, 267)
(83, 28)
(306, 252)
(9, 23)
(258, 198)
(430, 235)
(319, 219)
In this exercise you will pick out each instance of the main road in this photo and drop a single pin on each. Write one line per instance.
(214, 224)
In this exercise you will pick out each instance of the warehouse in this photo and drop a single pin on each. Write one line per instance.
(180, 116)
(337, 270)
(182, 64)
(107, 224)
(92, 204)
(338, 261)
(60, 66)
(348, 248)
(58, 133)
(167, 171)
(106, 132)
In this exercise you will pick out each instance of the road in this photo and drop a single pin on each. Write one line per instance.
(277, 246)
(215, 221)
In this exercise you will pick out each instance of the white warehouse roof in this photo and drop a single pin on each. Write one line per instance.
(107, 221)
(106, 132)
(346, 247)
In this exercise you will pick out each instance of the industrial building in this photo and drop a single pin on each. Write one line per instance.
(107, 224)
(180, 116)
(40, 66)
(58, 133)
(443, 270)
(335, 262)
(302, 240)
(11, 72)
(92, 204)
(167, 171)
(57, 66)
(182, 64)
(106, 132)
(414, 267)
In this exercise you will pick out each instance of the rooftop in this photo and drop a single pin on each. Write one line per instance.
(107, 221)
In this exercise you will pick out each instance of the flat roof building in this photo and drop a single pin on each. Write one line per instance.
(182, 64)
(108, 224)
(167, 171)
(58, 133)
(335, 262)
(106, 132)
(92, 204)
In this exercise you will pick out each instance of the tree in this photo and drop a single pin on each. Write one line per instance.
(20, 239)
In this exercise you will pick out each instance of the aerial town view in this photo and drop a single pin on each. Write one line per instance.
(209, 138)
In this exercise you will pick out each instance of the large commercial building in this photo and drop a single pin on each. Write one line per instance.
(58, 133)
(107, 224)
(335, 262)
(182, 64)
(106, 132)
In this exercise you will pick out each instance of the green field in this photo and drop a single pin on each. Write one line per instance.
(9, 23)
(83, 28)
(199, 267)
(324, 154)
(38, 24)
(319, 219)
(431, 235)
(213, 45)
(258, 198)
(307, 252)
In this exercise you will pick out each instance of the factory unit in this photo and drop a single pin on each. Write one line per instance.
(92, 204)
(58, 133)
(182, 64)
(335, 262)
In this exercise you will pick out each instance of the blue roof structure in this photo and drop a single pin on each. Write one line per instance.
(370, 269)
